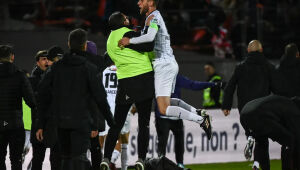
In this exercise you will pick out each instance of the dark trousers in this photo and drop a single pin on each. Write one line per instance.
(73, 144)
(262, 130)
(261, 152)
(163, 127)
(38, 156)
(96, 154)
(15, 139)
(121, 111)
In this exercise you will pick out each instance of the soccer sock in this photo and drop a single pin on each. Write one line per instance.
(124, 157)
(176, 111)
(182, 104)
(256, 164)
(114, 157)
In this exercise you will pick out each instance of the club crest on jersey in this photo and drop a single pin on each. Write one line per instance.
(154, 20)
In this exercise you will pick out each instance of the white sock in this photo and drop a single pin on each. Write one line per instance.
(182, 104)
(114, 157)
(124, 157)
(175, 111)
(256, 164)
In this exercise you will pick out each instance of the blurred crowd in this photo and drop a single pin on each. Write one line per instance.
(220, 26)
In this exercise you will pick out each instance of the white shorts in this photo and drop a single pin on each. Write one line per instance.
(125, 129)
(165, 73)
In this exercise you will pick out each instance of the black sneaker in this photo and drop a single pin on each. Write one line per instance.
(206, 124)
(249, 148)
(105, 164)
(255, 168)
(139, 164)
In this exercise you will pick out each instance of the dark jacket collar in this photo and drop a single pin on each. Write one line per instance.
(7, 69)
(256, 58)
(37, 71)
(75, 57)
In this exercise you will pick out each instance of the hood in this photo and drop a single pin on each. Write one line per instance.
(7, 69)
(256, 58)
(75, 58)
(288, 60)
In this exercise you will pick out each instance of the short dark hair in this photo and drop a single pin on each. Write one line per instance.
(156, 2)
(291, 49)
(116, 20)
(40, 54)
(77, 39)
(6, 51)
(210, 63)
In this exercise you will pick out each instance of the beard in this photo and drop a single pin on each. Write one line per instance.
(144, 10)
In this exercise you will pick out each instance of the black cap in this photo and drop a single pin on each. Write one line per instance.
(55, 51)
(39, 54)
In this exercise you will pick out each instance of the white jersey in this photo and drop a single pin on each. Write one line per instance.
(110, 83)
(162, 42)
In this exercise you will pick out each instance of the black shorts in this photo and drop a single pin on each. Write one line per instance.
(135, 89)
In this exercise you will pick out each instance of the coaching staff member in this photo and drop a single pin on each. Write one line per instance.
(253, 79)
(14, 86)
(68, 86)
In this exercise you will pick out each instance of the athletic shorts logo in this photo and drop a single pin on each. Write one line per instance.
(5, 123)
(127, 97)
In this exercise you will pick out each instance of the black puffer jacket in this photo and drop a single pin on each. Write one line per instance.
(68, 86)
(14, 86)
(253, 78)
(288, 72)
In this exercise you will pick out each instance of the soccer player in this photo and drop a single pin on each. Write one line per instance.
(165, 66)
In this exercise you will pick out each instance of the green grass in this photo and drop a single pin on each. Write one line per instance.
(275, 165)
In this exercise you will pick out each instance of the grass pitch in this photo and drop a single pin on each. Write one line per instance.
(275, 165)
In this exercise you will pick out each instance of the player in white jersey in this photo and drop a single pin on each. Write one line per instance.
(165, 67)
(110, 83)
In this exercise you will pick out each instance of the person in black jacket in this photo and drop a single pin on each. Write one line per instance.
(277, 118)
(289, 72)
(14, 86)
(39, 148)
(253, 78)
(68, 86)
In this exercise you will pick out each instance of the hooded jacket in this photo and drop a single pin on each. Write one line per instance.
(253, 78)
(14, 85)
(68, 86)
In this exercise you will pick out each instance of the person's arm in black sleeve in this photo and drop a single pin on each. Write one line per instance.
(95, 114)
(215, 92)
(99, 94)
(27, 92)
(229, 90)
(143, 47)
